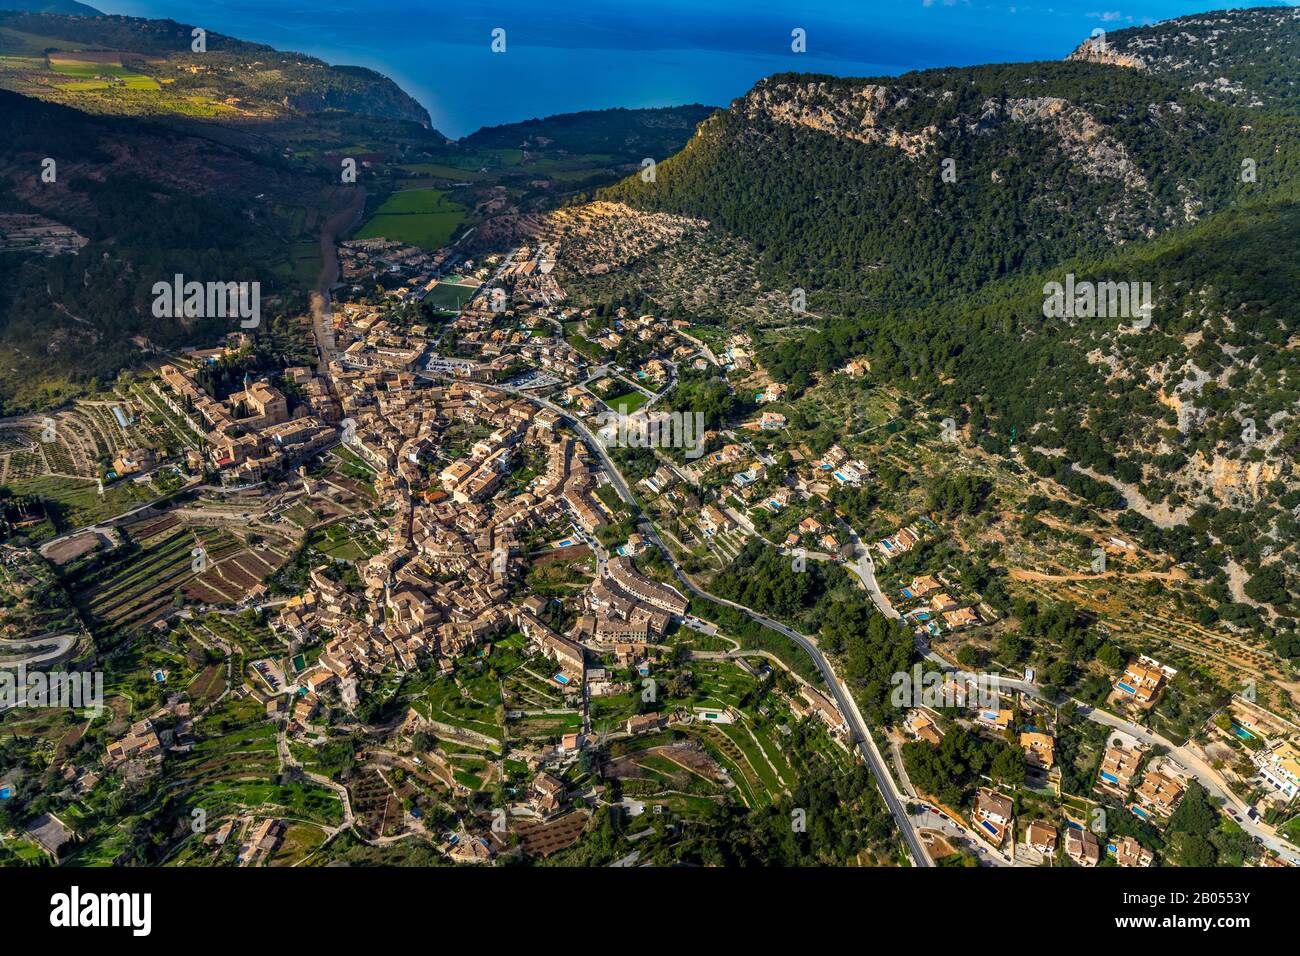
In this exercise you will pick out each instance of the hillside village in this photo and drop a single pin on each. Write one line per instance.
(533, 551)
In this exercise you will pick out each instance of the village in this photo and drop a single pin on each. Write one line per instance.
(458, 529)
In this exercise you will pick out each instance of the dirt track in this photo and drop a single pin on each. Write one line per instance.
(1020, 574)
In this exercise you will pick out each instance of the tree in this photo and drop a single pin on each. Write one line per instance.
(1110, 655)
(1009, 765)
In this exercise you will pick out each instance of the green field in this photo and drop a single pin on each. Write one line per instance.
(78, 499)
(628, 403)
(100, 76)
(418, 217)
(450, 296)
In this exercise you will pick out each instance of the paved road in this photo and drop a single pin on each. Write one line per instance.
(1204, 773)
(844, 701)
(860, 733)
(865, 570)
(1197, 767)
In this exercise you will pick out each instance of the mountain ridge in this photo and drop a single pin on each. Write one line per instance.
(234, 77)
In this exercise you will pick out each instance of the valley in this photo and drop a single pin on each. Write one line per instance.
(675, 487)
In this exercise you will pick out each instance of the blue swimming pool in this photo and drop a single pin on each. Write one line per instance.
(1140, 812)
(1125, 687)
(560, 678)
(6, 793)
(1109, 776)
(990, 827)
(1242, 732)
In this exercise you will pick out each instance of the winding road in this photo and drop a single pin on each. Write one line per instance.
(859, 731)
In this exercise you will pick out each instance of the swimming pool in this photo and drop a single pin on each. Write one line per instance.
(1109, 776)
(1124, 686)
(1242, 732)
(560, 678)
(990, 827)
(6, 793)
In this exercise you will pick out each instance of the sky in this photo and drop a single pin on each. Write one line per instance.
(566, 55)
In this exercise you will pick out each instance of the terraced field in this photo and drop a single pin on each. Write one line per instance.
(74, 442)
(136, 585)
(234, 763)
(1167, 634)
(77, 501)
(254, 639)
(376, 807)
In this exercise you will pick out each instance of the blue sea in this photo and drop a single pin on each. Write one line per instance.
(566, 55)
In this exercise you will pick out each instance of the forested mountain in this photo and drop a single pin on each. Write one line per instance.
(152, 202)
(1163, 407)
(1241, 57)
(114, 64)
(71, 7)
(627, 136)
(840, 183)
(926, 215)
